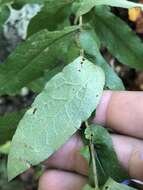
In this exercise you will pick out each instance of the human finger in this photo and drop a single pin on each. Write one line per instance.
(61, 180)
(129, 151)
(122, 111)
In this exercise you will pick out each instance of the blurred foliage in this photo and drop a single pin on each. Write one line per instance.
(4, 185)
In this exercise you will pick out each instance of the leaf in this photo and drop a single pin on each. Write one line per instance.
(87, 5)
(39, 84)
(4, 185)
(31, 58)
(23, 2)
(106, 159)
(85, 153)
(91, 44)
(47, 17)
(4, 2)
(8, 125)
(4, 149)
(4, 13)
(120, 40)
(68, 52)
(87, 187)
(67, 100)
(113, 185)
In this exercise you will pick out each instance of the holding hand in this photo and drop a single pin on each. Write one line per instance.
(121, 111)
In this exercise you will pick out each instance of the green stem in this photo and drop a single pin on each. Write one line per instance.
(94, 164)
(92, 149)
(81, 29)
(81, 22)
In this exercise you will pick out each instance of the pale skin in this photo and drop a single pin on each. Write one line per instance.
(121, 111)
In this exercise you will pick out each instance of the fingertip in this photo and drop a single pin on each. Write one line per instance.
(61, 180)
(136, 165)
(121, 111)
(129, 151)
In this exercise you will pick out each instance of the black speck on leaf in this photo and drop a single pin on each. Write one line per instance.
(34, 111)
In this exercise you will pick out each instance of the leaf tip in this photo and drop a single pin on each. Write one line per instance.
(16, 167)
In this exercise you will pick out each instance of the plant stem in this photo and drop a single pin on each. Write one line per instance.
(92, 149)
(86, 124)
(80, 22)
(81, 29)
(94, 164)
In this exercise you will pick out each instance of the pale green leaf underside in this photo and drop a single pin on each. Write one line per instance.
(87, 187)
(87, 5)
(67, 100)
(113, 185)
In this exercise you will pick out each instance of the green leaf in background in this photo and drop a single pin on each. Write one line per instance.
(4, 185)
(8, 125)
(4, 2)
(106, 159)
(117, 36)
(31, 58)
(91, 44)
(87, 5)
(68, 51)
(67, 100)
(39, 84)
(85, 153)
(47, 17)
(113, 185)
(4, 13)
(23, 2)
(4, 149)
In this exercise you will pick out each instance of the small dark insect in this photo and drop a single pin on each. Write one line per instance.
(34, 111)
(83, 59)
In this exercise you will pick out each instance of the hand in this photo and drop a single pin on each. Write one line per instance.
(121, 111)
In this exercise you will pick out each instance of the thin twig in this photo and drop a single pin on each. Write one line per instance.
(91, 145)
(81, 29)
(80, 22)
(94, 164)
